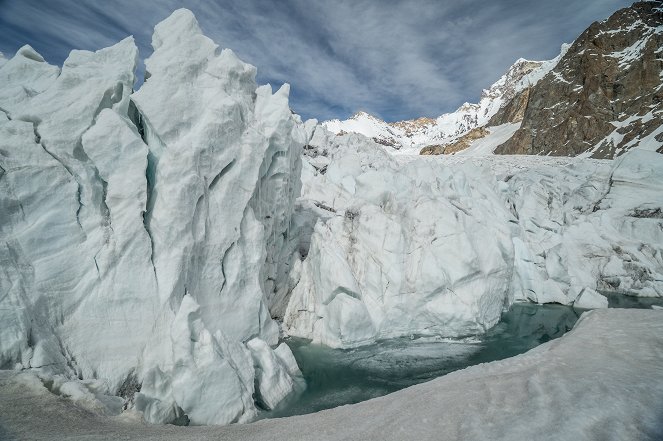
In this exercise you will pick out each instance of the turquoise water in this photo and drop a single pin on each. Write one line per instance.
(335, 377)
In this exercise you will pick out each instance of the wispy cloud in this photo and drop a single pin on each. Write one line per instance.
(395, 59)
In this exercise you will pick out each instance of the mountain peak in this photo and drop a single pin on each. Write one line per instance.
(410, 135)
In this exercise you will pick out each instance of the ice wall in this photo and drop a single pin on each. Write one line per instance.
(592, 225)
(143, 232)
(398, 250)
(433, 246)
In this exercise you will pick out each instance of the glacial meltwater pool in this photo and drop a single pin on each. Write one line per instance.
(335, 377)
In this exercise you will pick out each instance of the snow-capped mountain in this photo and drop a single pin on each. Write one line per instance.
(600, 97)
(411, 135)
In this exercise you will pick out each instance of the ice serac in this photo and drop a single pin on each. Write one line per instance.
(595, 225)
(150, 238)
(23, 76)
(73, 295)
(398, 249)
(223, 175)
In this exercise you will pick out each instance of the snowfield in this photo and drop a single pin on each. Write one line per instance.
(602, 380)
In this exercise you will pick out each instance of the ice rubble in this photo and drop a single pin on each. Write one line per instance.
(143, 233)
(396, 248)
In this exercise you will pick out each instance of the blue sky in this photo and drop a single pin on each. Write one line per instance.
(394, 59)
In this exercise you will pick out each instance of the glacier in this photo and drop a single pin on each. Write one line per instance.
(158, 244)
(143, 232)
(401, 246)
(398, 249)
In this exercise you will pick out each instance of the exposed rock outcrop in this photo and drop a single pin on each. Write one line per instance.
(513, 111)
(605, 95)
(461, 144)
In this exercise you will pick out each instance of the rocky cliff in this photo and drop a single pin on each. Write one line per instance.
(605, 94)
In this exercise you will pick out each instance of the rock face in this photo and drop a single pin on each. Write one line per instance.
(144, 234)
(410, 136)
(461, 144)
(604, 96)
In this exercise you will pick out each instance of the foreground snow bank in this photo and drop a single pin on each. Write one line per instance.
(441, 245)
(603, 380)
(143, 232)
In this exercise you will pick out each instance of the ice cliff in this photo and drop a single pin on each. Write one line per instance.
(142, 233)
(398, 250)
(440, 246)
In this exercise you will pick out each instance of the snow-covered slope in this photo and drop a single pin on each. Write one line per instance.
(142, 232)
(410, 136)
(440, 245)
